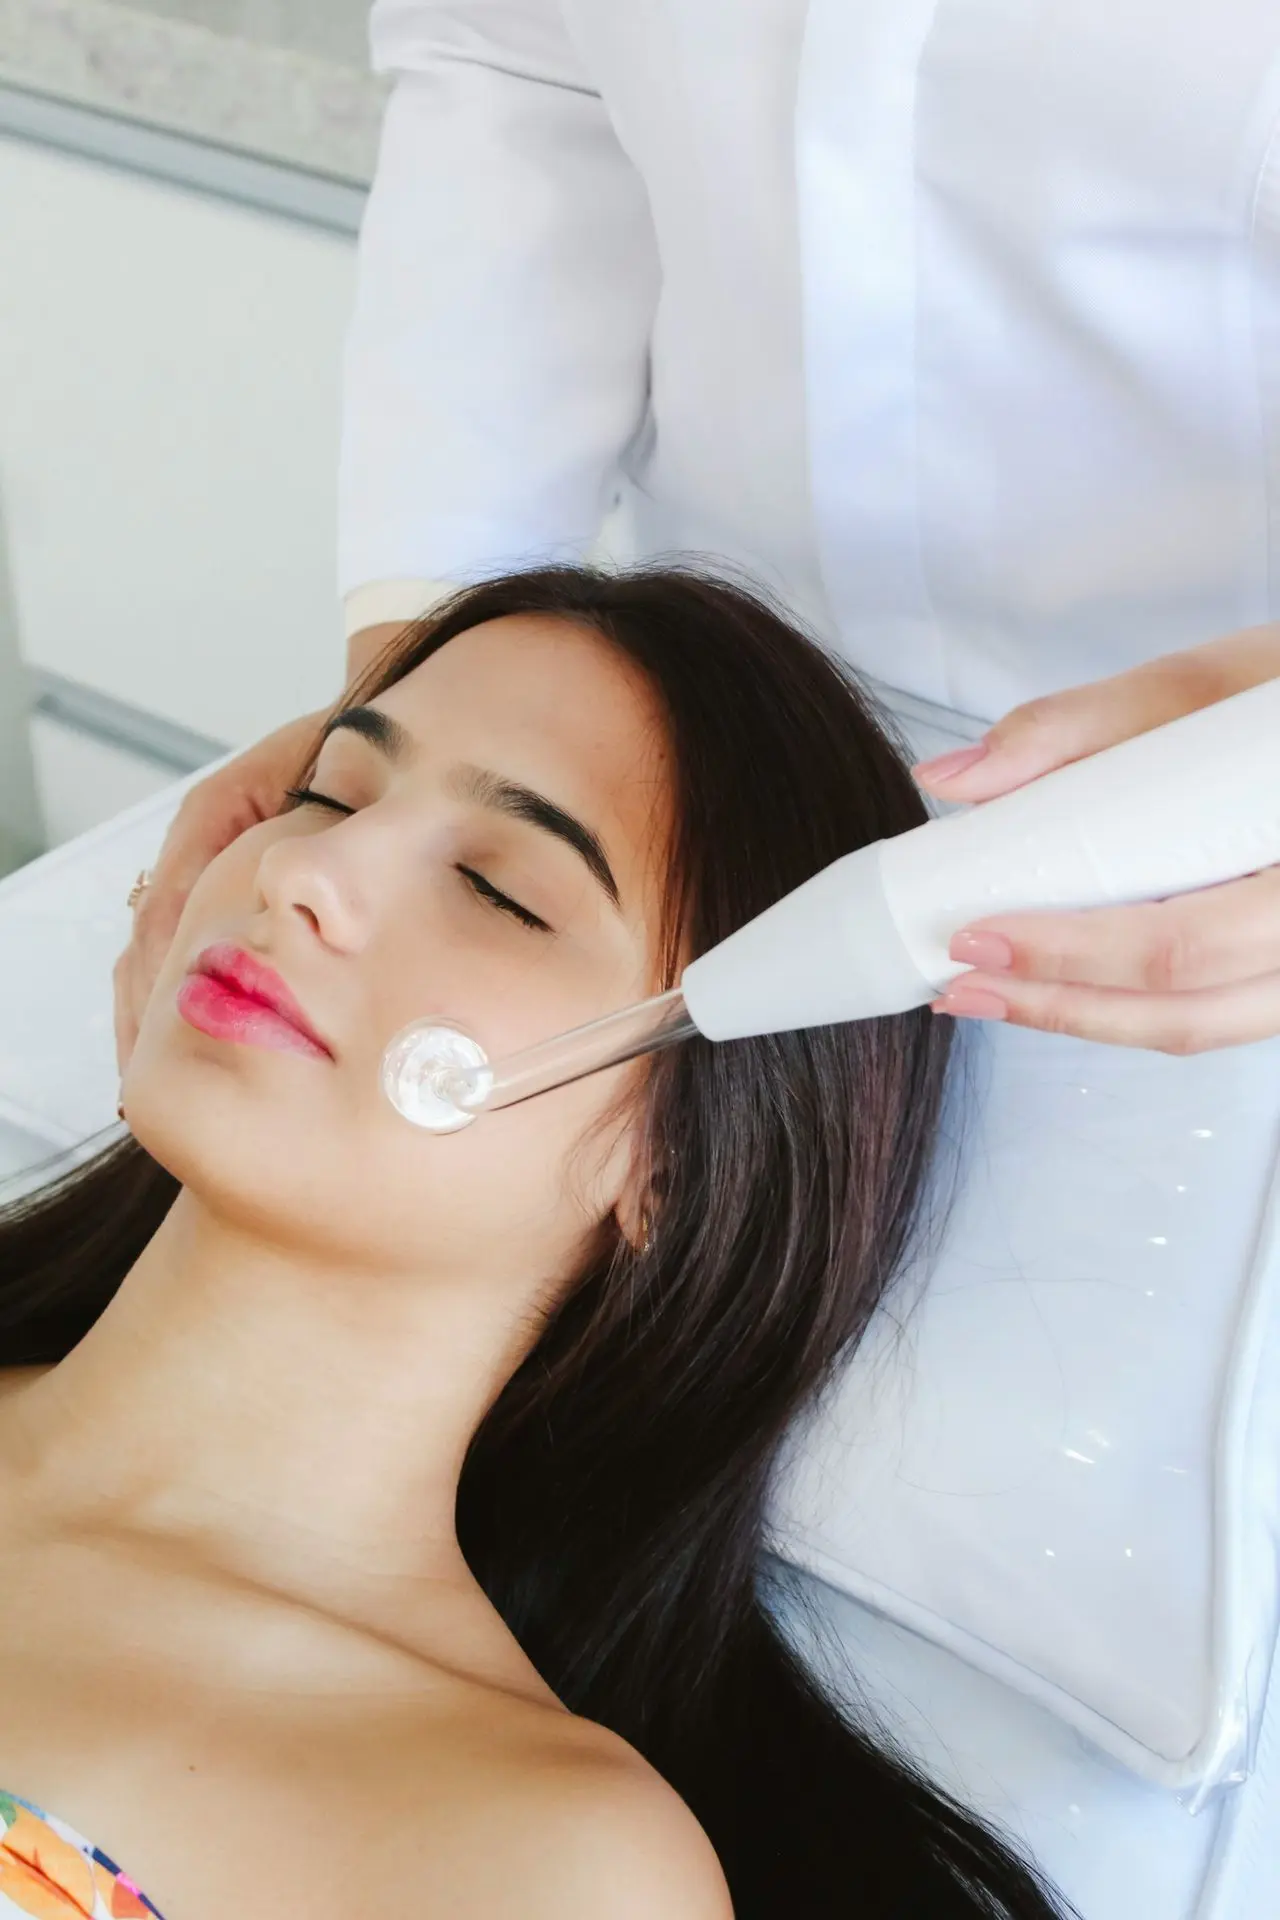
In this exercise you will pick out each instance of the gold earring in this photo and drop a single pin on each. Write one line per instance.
(646, 1225)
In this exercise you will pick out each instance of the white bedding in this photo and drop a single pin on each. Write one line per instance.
(1121, 1846)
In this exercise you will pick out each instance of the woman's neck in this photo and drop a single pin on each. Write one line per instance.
(299, 1428)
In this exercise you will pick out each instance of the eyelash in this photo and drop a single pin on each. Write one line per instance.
(307, 796)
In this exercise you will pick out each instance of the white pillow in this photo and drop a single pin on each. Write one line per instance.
(1056, 1452)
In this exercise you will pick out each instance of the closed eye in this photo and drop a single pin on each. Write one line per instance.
(488, 891)
(307, 796)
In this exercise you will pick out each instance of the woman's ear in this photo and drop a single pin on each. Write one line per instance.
(636, 1205)
(642, 1177)
(639, 1205)
(634, 1214)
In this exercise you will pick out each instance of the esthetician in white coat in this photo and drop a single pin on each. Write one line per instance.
(957, 322)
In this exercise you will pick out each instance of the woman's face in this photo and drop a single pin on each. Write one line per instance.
(447, 891)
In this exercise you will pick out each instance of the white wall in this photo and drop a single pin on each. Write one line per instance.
(81, 782)
(335, 29)
(169, 382)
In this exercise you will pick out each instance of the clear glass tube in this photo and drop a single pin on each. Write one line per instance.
(642, 1028)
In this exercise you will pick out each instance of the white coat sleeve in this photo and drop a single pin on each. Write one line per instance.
(496, 362)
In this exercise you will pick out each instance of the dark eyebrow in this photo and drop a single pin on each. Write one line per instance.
(522, 803)
(386, 734)
(486, 789)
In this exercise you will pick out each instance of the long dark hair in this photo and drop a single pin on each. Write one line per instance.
(612, 1503)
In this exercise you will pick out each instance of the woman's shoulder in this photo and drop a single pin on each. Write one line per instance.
(557, 1818)
(627, 1846)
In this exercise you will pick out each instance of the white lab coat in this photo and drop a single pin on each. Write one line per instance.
(958, 321)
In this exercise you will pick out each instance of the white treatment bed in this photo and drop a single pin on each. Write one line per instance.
(1042, 1518)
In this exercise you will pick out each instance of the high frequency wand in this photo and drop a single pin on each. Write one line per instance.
(1185, 805)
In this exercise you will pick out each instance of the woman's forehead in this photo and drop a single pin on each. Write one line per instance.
(561, 709)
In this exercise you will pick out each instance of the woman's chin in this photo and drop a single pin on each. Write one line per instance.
(196, 1103)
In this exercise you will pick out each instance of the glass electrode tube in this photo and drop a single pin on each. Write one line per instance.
(439, 1078)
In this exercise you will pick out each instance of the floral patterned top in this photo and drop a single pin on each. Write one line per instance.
(48, 1871)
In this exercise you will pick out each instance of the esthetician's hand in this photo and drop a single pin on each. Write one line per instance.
(248, 789)
(1179, 976)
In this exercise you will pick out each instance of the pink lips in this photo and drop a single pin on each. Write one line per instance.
(231, 996)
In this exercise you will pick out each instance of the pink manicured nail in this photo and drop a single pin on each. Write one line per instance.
(947, 765)
(971, 1003)
(989, 951)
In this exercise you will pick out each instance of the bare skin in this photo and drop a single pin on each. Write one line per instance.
(239, 1646)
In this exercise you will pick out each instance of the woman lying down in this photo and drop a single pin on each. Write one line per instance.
(380, 1511)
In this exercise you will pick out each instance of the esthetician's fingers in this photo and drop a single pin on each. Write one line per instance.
(1178, 976)
(1043, 734)
(1211, 938)
(1178, 1023)
(247, 790)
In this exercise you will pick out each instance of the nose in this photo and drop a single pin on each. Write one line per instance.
(309, 877)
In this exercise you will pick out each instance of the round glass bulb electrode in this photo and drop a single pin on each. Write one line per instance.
(417, 1069)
